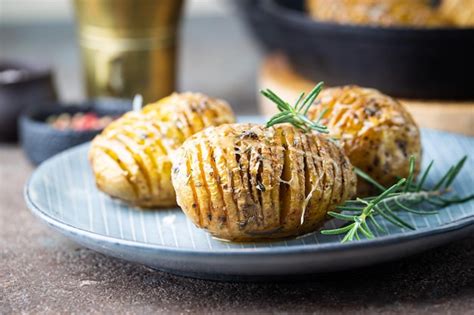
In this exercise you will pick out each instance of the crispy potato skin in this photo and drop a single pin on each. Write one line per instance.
(244, 182)
(416, 13)
(461, 12)
(376, 132)
(131, 157)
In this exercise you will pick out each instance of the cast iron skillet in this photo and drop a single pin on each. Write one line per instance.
(431, 63)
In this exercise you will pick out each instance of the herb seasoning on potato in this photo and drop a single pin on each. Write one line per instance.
(131, 157)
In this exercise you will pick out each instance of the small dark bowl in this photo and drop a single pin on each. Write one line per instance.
(428, 63)
(21, 85)
(40, 141)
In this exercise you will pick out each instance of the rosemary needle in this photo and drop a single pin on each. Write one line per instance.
(405, 196)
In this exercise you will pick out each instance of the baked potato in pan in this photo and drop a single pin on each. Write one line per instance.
(131, 158)
(375, 131)
(461, 12)
(416, 13)
(243, 182)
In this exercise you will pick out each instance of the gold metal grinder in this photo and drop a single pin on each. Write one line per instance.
(129, 46)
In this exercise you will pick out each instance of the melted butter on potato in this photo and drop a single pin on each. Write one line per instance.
(245, 182)
(131, 157)
(376, 132)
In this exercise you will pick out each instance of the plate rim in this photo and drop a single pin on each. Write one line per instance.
(380, 241)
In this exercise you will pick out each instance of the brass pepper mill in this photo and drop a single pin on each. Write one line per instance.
(129, 46)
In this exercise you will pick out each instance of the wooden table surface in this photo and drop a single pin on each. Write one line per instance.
(43, 272)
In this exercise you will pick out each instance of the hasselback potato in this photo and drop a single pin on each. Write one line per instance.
(131, 157)
(376, 132)
(376, 12)
(244, 182)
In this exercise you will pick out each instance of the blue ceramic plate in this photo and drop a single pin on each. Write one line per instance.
(62, 193)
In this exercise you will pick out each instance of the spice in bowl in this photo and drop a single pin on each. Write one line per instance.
(79, 121)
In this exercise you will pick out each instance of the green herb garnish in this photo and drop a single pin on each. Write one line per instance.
(296, 115)
(406, 195)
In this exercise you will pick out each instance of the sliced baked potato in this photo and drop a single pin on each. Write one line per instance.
(375, 131)
(243, 182)
(131, 157)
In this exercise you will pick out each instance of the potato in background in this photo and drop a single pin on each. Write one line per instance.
(415, 13)
(376, 132)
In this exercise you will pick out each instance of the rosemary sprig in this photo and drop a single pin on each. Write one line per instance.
(296, 114)
(404, 196)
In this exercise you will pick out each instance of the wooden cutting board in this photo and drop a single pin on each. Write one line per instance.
(277, 74)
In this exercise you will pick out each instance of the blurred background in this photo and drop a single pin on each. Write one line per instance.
(216, 55)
